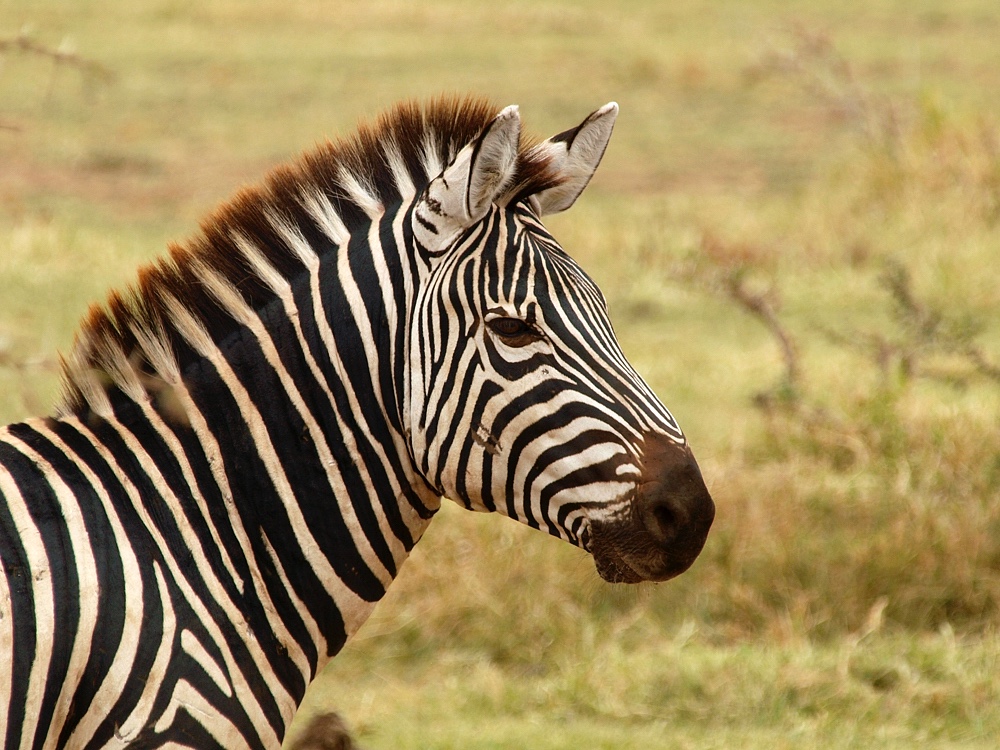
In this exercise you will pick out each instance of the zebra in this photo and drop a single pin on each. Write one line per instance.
(253, 436)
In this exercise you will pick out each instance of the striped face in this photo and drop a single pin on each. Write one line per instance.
(529, 406)
(520, 399)
(524, 404)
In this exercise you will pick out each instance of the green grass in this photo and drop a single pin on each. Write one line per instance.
(849, 590)
(881, 689)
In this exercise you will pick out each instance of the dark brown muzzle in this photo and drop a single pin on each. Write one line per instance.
(674, 506)
(671, 514)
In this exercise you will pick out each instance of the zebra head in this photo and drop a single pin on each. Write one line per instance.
(520, 399)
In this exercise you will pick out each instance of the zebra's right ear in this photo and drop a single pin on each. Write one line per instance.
(462, 194)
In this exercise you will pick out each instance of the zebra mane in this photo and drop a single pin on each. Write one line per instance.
(139, 340)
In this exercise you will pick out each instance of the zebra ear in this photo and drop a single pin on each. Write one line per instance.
(575, 154)
(480, 173)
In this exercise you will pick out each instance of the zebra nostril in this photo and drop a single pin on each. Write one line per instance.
(674, 505)
(666, 522)
(662, 518)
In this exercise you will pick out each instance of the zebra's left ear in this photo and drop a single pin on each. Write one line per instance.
(575, 154)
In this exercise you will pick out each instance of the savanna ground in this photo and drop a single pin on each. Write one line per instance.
(797, 227)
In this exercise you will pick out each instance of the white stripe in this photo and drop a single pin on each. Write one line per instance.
(125, 654)
(139, 717)
(81, 374)
(108, 353)
(86, 568)
(6, 619)
(429, 158)
(234, 614)
(179, 454)
(187, 698)
(6, 646)
(293, 238)
(253, 710)
(416, 523)
(363, 195)
(155, 344)
(356, 308)
(213, 455)
(193, 648)
(641, 403)
(444, 409)
(304, 251)
(602, 493)
(308, 620)
(397, 166)
(325, 215)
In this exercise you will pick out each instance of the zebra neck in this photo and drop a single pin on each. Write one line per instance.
(301, 406)
(277, 466)
(300, 434)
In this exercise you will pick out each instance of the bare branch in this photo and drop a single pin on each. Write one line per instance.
(24, 44)
(983, 365)
(758, 305)
(815, 65)
(723, 269)
(927, 343)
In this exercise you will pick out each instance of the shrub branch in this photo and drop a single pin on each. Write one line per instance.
(760, 306)
(24, 44)
(61, 56)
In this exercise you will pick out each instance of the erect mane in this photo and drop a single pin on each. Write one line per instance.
(133, 344)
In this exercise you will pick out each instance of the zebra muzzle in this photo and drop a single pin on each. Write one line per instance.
(670, 516)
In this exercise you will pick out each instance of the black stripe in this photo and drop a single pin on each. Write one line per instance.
(583, 476)
(48, 518)
(489, 391)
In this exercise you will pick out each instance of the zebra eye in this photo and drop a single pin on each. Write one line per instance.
(513, 331)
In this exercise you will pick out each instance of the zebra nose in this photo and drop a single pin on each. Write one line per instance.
(672, 501)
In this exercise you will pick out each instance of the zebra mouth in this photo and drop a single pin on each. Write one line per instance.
(613, 568)
(625, 553)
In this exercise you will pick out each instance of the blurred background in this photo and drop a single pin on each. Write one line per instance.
(797, 226)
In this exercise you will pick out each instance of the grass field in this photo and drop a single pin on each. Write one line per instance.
(821, 173)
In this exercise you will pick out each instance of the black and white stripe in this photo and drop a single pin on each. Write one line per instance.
(253, 438)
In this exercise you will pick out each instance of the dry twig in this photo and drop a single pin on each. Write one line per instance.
(61, 56)
(759, 305)
(24, 44)
(814, 64)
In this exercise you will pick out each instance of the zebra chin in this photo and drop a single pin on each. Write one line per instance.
(665, 525)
